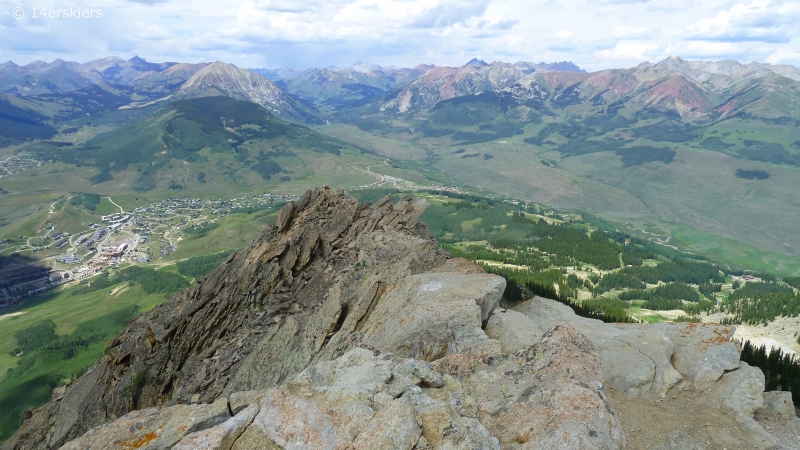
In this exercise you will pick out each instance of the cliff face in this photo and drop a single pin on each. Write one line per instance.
(345, 326)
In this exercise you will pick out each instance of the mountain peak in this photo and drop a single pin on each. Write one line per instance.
(476, 62)
(219, 78)
(563, 66)
(220, 65)
(307, 328)
(725, 71)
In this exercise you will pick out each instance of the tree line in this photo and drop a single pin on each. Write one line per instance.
(781, 370)
(762, 302)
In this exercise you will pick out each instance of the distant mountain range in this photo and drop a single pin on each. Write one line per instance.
(60, 76)
(695, 90)
(363, 81)
(62, 89)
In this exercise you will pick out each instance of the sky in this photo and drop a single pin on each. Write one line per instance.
(595, 34)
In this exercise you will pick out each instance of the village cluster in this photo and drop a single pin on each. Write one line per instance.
(18, 163)
(139, 236)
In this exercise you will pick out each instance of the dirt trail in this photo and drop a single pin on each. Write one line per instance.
(112, 202)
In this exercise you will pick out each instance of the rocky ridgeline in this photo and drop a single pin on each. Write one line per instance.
(345, 326)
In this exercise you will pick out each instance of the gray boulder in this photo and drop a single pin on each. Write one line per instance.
(359, 401)
(432, 314)
(740, 390)
(648, 360)
(513, 330)
(222, 436)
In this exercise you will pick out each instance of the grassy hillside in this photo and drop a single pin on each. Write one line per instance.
(192, 131)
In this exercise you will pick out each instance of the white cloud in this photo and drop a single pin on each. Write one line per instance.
(155, 32)
(270, 33)
(631, 33)
(761, 20)
(629, 51)
(564, 34)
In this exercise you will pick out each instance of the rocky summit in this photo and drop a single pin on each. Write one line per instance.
(346, 326)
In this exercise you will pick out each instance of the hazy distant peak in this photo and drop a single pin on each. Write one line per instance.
(727, 69)
(109, 60)
(364, 66)
(563, 66)
(424, 67)
(283, 73)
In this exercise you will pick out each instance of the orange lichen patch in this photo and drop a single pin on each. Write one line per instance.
(140, 442)
(720, 337)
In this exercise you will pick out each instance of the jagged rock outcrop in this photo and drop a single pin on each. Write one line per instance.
(345, 326)
(299, 293)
